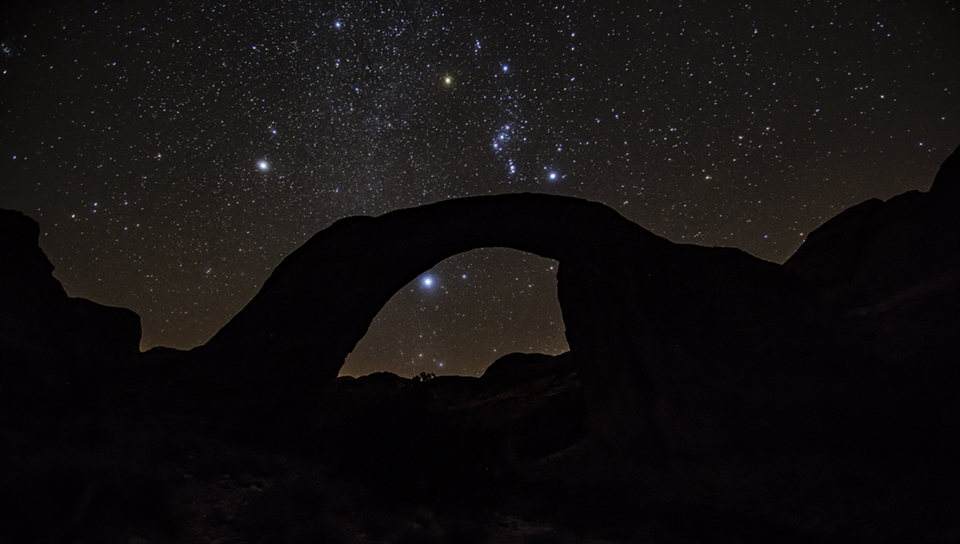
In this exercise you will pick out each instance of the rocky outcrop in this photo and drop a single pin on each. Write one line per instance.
(525, 407)
(668, 340)
(892, 269)
(515, 368)
(947, 181)
(44, 334)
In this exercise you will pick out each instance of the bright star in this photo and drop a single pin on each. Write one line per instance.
(427, 282)
(552, 176)
(263, 166)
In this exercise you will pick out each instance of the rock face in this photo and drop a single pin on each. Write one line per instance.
(43, 332)
(664, 337)
(893, 268)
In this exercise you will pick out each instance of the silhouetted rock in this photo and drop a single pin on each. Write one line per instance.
(43, 332)
(893, 268)
(502, 422)
(814, 401)
(525, 367)
(947, 180)
(665, 337)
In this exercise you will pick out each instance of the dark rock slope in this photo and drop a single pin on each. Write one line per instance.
(44, 334)
(892, 269)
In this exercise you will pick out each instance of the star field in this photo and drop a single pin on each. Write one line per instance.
(174, 153)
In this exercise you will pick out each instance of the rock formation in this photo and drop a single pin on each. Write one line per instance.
(665, 337)
(892, 269)
(794, 403)
(44, 334)
(681, 350)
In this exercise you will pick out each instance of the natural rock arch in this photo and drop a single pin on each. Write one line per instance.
(640, 312)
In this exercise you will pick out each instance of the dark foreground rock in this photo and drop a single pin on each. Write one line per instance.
(707, 395)
(892, 269)
(47, 337)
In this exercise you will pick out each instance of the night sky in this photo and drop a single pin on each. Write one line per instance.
(175, 152)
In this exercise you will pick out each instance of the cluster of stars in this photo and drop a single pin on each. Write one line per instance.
(175, 152)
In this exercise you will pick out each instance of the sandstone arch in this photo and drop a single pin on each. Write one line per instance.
(656, 329)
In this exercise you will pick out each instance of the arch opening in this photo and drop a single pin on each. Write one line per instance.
(463, 314)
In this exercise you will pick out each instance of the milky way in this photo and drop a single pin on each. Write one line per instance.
(175, 153)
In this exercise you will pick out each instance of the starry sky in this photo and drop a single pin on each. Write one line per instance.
(175, 152)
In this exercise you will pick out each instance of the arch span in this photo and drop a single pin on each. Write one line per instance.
(641, 313)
